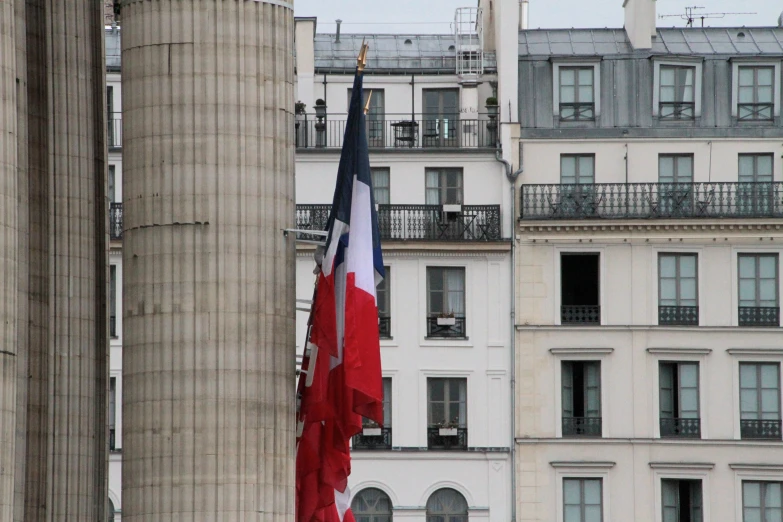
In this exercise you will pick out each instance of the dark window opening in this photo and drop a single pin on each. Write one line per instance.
(579, 277)
(682, 500)
(581, 398)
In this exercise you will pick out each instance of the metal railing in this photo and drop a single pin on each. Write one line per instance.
(760, 429)
(676, 110)
(447, 438)
(114, 130)
(678, 315)
(382, 441)
(577, 111)
(384, 326)
(446, 326)
(678, 427)
(652, 200)
(580, 314)
(417, 222)
(398, 131)
(755, 111)
(759, 316)
(115, 221)
(582, 426)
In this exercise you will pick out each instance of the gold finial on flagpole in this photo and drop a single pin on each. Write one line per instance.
(361, 61)
(367, 105)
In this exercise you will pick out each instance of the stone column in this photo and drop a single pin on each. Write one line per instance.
(208, 286)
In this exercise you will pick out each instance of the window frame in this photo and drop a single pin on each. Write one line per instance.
(113, 332)
(757, 279)
(763, 493)
(758, 388)
(577, 69)
(677, 277)
(678, 505)
(384, 289)
(756, 156)
(556, 66)
(445, 292)
(373, 516)
(376, 188)
(582, 504)
(443, 186)
(577, 174)
(736, 63)
(678, 387)
(446, 516)
(697, 87)
(447, 382)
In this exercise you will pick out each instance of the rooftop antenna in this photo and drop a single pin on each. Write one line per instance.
(690, 16)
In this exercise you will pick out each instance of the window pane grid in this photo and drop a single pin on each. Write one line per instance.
(758, 280)
(677, 92)
(761, 501)
(443, 187)
(447, 402)
(759, 391)
(582, 500)
(380, 185)
(577, 93)
(755, 88)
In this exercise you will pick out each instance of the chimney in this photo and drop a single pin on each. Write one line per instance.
(337, 38)
(640, 22)
(523, 14)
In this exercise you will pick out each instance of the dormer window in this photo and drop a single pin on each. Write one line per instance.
(677, 100)
(755, 93)
(577, 91)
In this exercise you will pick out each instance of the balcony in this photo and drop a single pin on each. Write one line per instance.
(678, 315)
(114, 130)
(681, 428)
(582, 426)
(384, 326)
(451, 327)
(372, 439)
(652, 201)
(417, 222)
(401, 132)
(447, 438)
(580, 314)
(115, 221)
(759, 316)
(760, 429)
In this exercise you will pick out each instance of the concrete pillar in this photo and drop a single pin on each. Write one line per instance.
(8, 257)
(208, 286)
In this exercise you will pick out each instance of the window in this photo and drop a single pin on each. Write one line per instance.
(679, 399)
(384, 312)
(374, 436)
(112, 196)
(579, 287)
(761, 501)
(678, 300)
(376, 116)
(380, 185)
(110, 507)
(755, 93)
(371, 505)
(447, 413)
(112, 412)
(677, 92)
(681, 500)
(444, 186)
(760, 400)
(758, 290)
(675, 168)
(577, 93)
(582, 500)
(581, 381)
(577, 196)
(447, 505)
(675, 178)
(441, 118)
(755, 193)
(445, 302)
(577, 169)
(113, 300)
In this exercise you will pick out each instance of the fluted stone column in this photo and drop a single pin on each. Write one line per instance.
(208, 286)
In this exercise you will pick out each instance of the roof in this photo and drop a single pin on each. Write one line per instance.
(431, 53)
(113, 49)
(725, 41)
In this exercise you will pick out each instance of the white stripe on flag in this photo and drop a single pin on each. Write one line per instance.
(360, 255)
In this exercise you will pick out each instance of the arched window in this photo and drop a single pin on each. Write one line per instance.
(371, 505)
(447, 505)
(110, 509)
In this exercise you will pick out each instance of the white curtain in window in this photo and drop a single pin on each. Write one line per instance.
(455, 283)
(689, 391)
(592, 390)
(433, 187)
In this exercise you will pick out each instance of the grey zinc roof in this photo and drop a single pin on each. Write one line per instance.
(748, 41)
(113, 49)
(390, 53)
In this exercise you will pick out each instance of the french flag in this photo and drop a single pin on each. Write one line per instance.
(341, 370)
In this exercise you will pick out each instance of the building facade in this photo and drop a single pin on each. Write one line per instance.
(648, 273)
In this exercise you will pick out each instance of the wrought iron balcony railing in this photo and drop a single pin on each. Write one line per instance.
(580, 314)
(447, 438)
(115, 221)
(582, 426)
(652, 201)
(678, 315)
(678, 110)
(417, 222)
(755, 111)
(114, 130)
(371, 441)
(384, 326)
(401, 131)
(760, 429)
(759, 316)
(446, 326)
(678, 427)
(577, 111)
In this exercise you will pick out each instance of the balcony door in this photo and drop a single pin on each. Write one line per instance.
(755, 190)
(441, 118)
(376, 116)
(675, 185)
(577, 186)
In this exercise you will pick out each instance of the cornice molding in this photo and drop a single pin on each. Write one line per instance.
(647, 226)
(755, 352)
(582, 464)
(581, 351)
(749, 466)
(679, 351)
(392, 251)
(683, 465)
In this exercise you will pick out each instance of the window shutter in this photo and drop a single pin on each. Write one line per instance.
(696, 510)
(666, 380)
(568, 389)
(689, 391)
(670, 500)
(592, 389)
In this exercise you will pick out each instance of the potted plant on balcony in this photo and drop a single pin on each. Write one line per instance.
(446, 319)
(448, 428)
(370, 428)
(299, 108)
(320, 108)
(492, 112)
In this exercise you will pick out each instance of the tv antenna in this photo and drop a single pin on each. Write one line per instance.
(690, 16)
